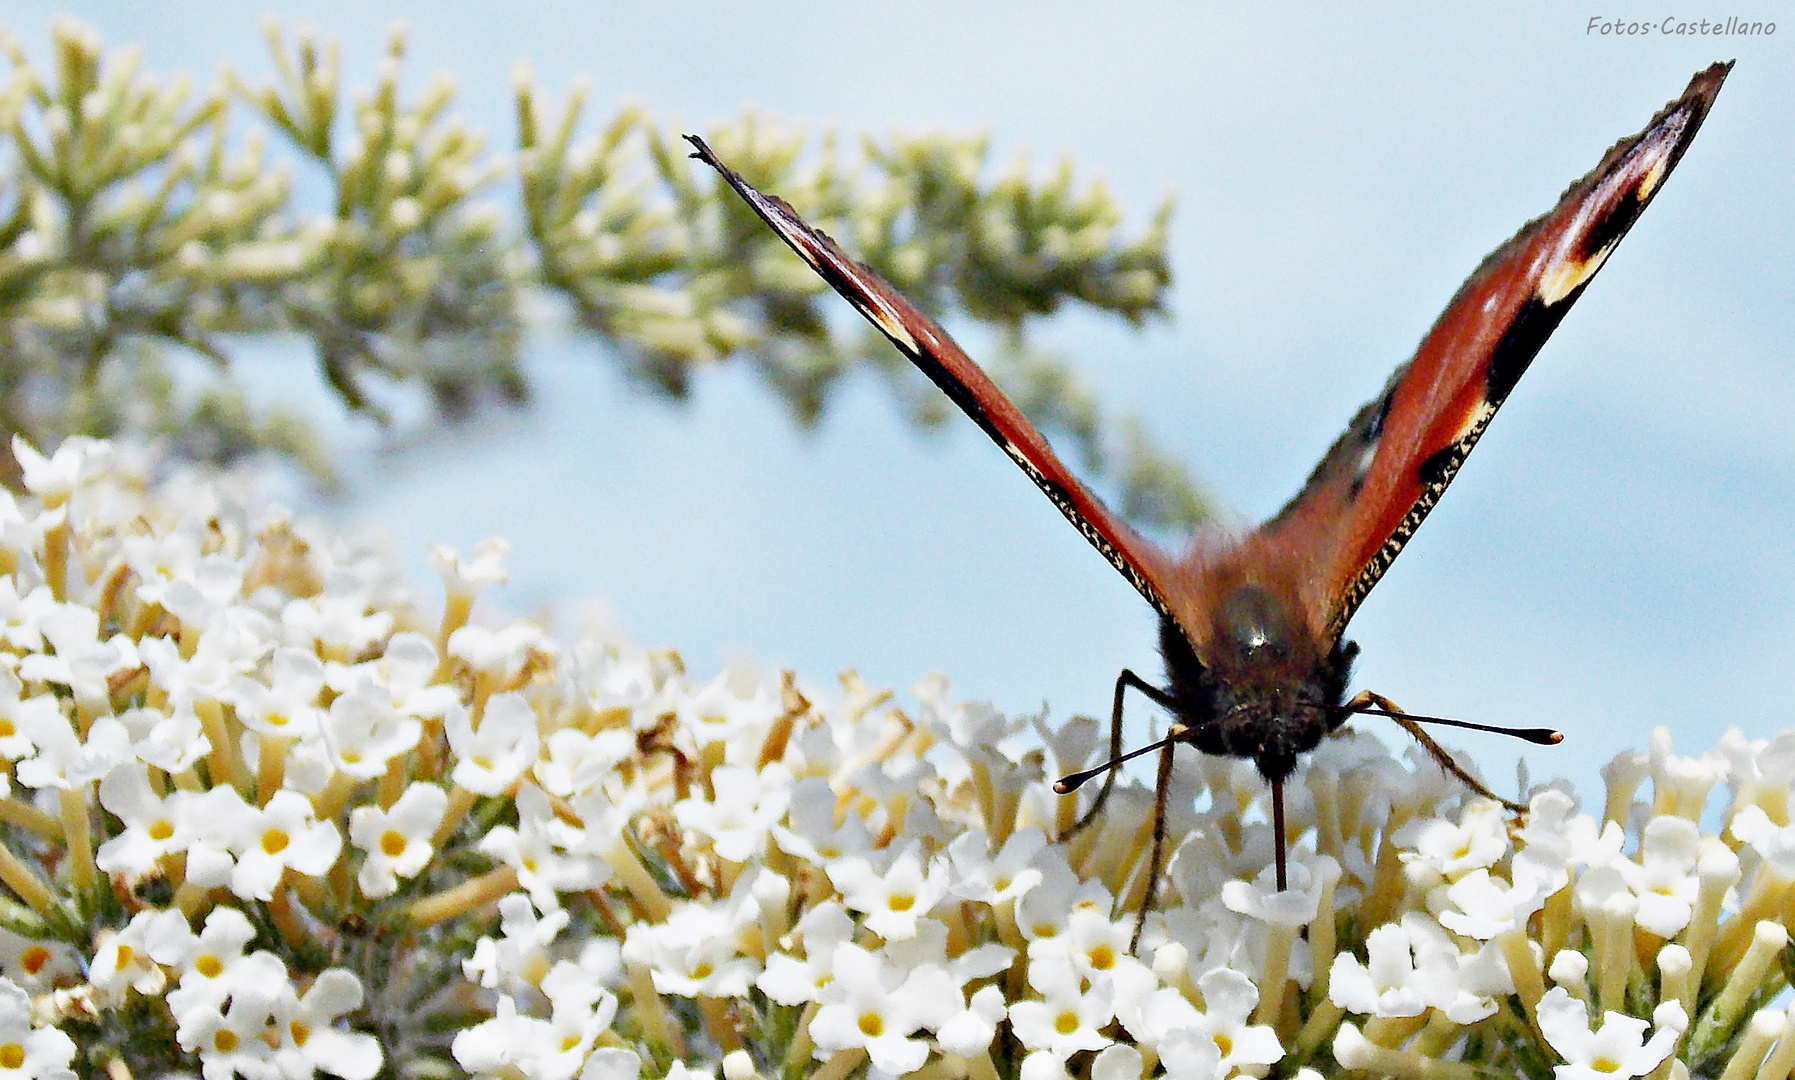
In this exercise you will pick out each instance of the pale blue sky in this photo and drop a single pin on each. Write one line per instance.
(1619, 553)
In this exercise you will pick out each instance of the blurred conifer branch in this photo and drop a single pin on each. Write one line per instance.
(138, 224)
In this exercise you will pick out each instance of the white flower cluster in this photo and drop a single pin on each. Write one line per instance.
(263, 818)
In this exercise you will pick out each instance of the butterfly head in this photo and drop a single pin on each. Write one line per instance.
(1256, 681)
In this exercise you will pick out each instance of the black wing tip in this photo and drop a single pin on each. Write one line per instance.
(1703, 86)
(702, 152)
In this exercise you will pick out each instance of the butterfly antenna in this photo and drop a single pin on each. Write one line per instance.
(1537, 736)
(1066, 785)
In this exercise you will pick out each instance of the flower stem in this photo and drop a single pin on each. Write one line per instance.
(464, 897)
(79, 838)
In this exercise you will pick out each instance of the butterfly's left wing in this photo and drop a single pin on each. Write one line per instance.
(1380, 479)
(928, 346)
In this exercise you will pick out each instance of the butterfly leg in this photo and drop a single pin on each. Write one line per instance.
(1123, 682)
(1162, 793)
(1366, 699)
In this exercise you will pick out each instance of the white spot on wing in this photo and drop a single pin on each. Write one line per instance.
(889, 322)
(1366, 456)
(1477, 421)
(1653, 176)
(1564, 275)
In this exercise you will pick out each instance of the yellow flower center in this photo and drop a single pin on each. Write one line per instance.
(1103, 958)
(34, 959)
(901, 901)
(1605, 1065)
(1066, 1023)
(1223, 1043)
(274, 841)
(300, 1032)
(392, 843)
(224, 1041)
(209, 966)
(161, 830)
(872, 1025)
(12, 1056)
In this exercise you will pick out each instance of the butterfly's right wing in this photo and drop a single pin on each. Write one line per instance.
(927, 345)
(1380, 479)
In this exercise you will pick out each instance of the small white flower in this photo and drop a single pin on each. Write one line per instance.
(404, 674)
(337, 623)
(1682, 782)
(693, 953)
(210, 963)
(539, 848)
(506, 1045)
(1664, 878)
(25, 1051)
(738, 819)
(1414, 965)
(487, 761)
(152, 823)
(1219, 1038)
(733, 705)
(1616, 1051)
(53, 479)
(498, 654)
(1117, 1062)
(172, 741)
(282, 834)
(1484, 907)
(519, 958)
(396, 840)
(468, 576)
(1478, 840)
(287, 705)
(310, 1039)
(82, 661)
(1292, 907)
(813, 835)
(892, 901)
(1043, 911)
(970, 1031)
(36, 965)
(122, 960)
(992, 879)
(365, 731)
(1069, 1017)
(576, 762)
(877, 1008)
(64, 760)
(1774, 843)
(791, 981)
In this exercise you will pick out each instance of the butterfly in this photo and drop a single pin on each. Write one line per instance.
(1252, 628)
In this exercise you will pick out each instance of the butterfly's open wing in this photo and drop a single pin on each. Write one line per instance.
(1380, 479)
(927, 345)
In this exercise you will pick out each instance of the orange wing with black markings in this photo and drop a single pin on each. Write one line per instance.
(1382, 477)
(928, 346)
